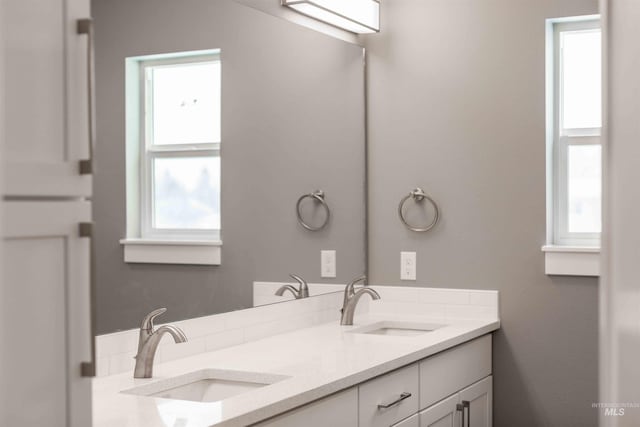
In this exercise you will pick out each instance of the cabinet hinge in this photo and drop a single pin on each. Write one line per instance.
(85, 229)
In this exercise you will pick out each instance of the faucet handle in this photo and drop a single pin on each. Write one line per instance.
(303, 292)
(300, 280)
(147, 322)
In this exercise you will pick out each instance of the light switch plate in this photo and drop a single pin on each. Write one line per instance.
(407, 266)
(328, 264)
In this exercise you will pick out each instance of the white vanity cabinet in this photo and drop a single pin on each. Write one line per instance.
(338, 410)
(452, 388)
(471, 407)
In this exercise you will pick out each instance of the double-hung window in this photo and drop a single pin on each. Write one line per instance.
(176, 122)
(574, 115)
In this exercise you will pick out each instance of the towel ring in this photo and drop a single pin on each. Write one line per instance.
(418, 195)
(318, 196)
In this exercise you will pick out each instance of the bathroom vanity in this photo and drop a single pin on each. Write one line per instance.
(429, 366)
(451, 388)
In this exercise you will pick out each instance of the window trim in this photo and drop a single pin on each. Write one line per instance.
(565, 253)
(198, 247)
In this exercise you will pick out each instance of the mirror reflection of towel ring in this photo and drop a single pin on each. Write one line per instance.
(418, 195)
(318, 196)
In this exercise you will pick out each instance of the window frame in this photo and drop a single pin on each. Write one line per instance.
(562, 138)
(149, 152)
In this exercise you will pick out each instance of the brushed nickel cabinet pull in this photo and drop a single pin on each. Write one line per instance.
(403, 396)
(85, 26)
(85, 229)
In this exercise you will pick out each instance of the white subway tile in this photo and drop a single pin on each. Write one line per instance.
(224, 339)
(471, 312)
(119, 363)
(177, 351)
(488, 298)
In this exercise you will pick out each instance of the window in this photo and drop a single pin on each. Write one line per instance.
(574, 111)
(173, 149)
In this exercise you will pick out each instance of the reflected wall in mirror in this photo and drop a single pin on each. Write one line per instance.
(292, 122)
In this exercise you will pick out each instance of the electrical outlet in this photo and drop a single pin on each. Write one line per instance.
(407, 266)
(327, 263)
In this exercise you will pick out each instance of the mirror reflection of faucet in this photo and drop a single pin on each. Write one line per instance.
(351, 298)
(301, 292)
(149, 340)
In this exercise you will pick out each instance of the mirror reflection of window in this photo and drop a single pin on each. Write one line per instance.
(180, 99)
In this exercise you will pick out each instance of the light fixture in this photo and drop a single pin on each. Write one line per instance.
(357, 16)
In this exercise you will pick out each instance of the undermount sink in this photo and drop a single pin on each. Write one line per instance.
(397, 328)
(207, 385)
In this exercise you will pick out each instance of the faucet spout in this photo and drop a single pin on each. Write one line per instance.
(148, 343)
(302, 292)
(281, 290)
(351, 299)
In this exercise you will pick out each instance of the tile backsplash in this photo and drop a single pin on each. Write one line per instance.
(116, 351)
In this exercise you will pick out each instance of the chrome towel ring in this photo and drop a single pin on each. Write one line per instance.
(318, 196)
(418, 195)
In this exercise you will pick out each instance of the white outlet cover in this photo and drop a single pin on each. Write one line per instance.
(407, 266)
(328, 264)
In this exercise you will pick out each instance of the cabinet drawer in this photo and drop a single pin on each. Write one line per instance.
(388, 390)
(339, 410)
(452, 370)
(413, 421)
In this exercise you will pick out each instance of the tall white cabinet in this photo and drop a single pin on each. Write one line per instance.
(46, 214)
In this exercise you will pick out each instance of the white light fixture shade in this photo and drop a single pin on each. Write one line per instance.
(357, 16)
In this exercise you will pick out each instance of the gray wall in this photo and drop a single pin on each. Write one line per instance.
(292, 122)
(456, 101)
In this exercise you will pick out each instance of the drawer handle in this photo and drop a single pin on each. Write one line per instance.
(403, 396)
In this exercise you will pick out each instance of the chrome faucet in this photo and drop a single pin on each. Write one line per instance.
(149, 340)
(302, 292)
(351, 298)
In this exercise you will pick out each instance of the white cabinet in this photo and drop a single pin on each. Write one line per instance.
(435, 392)
(412, 421)
(338, 410)
(44, 315)
(480, 403)
(450, 371)
(471, 407)
(44, 134)
(442, 414)
(46, 97)
(389, 398)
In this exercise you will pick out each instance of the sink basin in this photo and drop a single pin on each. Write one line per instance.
(207, 385)
(397, 328)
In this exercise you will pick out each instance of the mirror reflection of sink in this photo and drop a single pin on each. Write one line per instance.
(207, 385)
(397, 328)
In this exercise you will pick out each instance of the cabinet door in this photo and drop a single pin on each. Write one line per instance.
(339, 410)
(46, 97)
(44, 315)
(442, 414)
(480, 398)
(412, 421)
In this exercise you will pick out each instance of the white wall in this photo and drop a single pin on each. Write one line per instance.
(620, 293)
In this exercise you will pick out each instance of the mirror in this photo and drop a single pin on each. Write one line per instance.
(292, 122)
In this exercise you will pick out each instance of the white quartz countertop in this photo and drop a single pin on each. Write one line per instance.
(320, 360)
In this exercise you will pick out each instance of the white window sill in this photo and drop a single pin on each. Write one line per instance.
(193, 252)
(571, 260)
